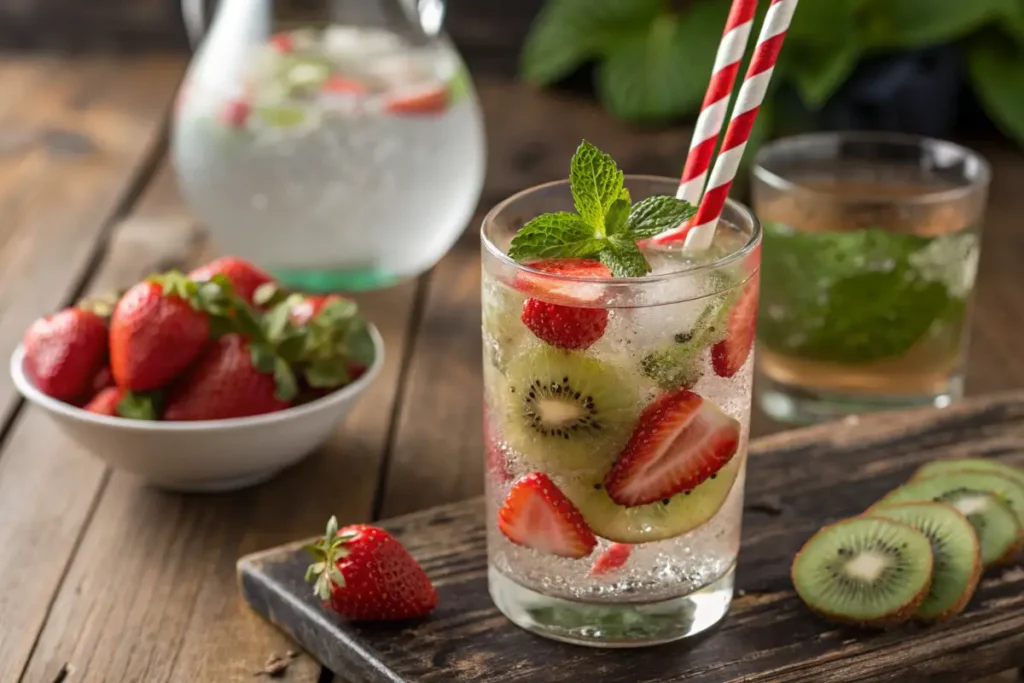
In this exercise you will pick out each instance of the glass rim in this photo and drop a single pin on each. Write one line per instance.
(952, 194)
(748, 247)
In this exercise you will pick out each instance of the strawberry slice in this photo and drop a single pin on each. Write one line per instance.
(282, 42)
(431, 101)
(235, 113)
(336, 85)
(537, 515)
(612, 559)
(561, 325)
(681, 440)
(729, 355)
(560, 290)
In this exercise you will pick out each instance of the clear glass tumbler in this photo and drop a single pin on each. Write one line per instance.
(587, 437)
(871, 244)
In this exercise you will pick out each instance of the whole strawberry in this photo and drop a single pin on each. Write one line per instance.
(64, 351)
(566, 325)
(224, 384)
(155, 334)
(105, 402)
(309, 307)
(244, 276)
(364, 574)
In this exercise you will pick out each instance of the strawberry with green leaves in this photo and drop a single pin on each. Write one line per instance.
(65, 351)
(230, 380)
(245, 278)
(364, 574)
(158, 329)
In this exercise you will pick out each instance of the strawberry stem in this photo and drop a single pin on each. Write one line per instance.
(323, 573)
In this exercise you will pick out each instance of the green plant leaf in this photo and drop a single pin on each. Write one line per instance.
(139, 406)
(997, 72)
(1014, 21)
(662, 74)
(818, 79)
(555, 235)
(618, 213)
(822, 24)
(286, 386)
(624, 258)
(596, 183)
(568, 33)
(327, 375)
(919, 23)
(654, 215)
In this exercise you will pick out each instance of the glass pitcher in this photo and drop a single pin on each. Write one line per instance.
(338, 143)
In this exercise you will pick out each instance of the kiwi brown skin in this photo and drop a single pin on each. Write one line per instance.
(960, 605)
(897, 618)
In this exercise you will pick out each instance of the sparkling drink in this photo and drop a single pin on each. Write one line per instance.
(294, 146)
(871, 252)
(640, 383)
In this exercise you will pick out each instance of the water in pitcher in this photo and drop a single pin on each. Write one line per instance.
(336, 156)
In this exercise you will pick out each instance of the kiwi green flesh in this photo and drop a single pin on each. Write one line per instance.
(567, 414)
(865, 570)
(986, 499)
(673, 517)
(941, 467)
(956, 551)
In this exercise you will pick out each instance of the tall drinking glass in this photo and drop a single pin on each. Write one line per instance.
(871, 245)
(664, 391)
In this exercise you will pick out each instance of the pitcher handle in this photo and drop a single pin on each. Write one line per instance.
(193, 12)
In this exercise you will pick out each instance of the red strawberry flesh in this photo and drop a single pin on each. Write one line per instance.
(549, 313)
(431, 101)
(105, 402)
(613, 558)
(681, 440)
(536, 514)
(565, 285)
(730, 354)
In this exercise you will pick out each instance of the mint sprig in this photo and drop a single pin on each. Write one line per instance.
(606, 225)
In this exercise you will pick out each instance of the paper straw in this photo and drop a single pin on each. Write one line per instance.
(716, 99)
(748, 103)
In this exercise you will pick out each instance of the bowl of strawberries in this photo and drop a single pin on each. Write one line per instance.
(208, 381)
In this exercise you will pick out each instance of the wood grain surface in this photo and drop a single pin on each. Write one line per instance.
(812, 477)
(105, 580)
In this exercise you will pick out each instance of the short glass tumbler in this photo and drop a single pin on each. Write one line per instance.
(668, 353)
(871, 245)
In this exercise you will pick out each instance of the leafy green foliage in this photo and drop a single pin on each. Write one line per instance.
(654, 60)
(851, 297)
(997, 69)
(607, 227)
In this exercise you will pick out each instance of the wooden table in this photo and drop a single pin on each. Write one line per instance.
(104, 580)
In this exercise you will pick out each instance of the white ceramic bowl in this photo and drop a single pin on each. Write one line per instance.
(203, 456)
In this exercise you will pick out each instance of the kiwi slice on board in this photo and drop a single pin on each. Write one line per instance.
(937, 467)
(567, 413)
(867, 571)
(986, 499)
(670, 518)
(956, 551)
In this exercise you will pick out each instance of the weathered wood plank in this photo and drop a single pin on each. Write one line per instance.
(151, 593)
(77, 134)
(819, 475)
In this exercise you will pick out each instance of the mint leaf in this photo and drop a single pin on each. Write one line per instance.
(555, 235)
(996, 67)
(615, 221)
(852, 296)
(662, 74)
(567, 33)
(596, 183)
(624, 258)
(654, 215)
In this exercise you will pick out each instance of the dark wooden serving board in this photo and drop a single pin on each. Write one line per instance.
(796, 482)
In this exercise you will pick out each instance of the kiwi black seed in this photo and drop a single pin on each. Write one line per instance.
(984, 498)
(566, 413)
(866, 571)
(956, 551)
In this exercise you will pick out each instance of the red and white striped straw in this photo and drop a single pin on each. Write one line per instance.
(716, 100)
(701, 230)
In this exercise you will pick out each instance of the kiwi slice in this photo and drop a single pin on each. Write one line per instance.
(937, 467)
(866, 571)
(956, 551)
(567, 413)
(986, 499)
(669, 518)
